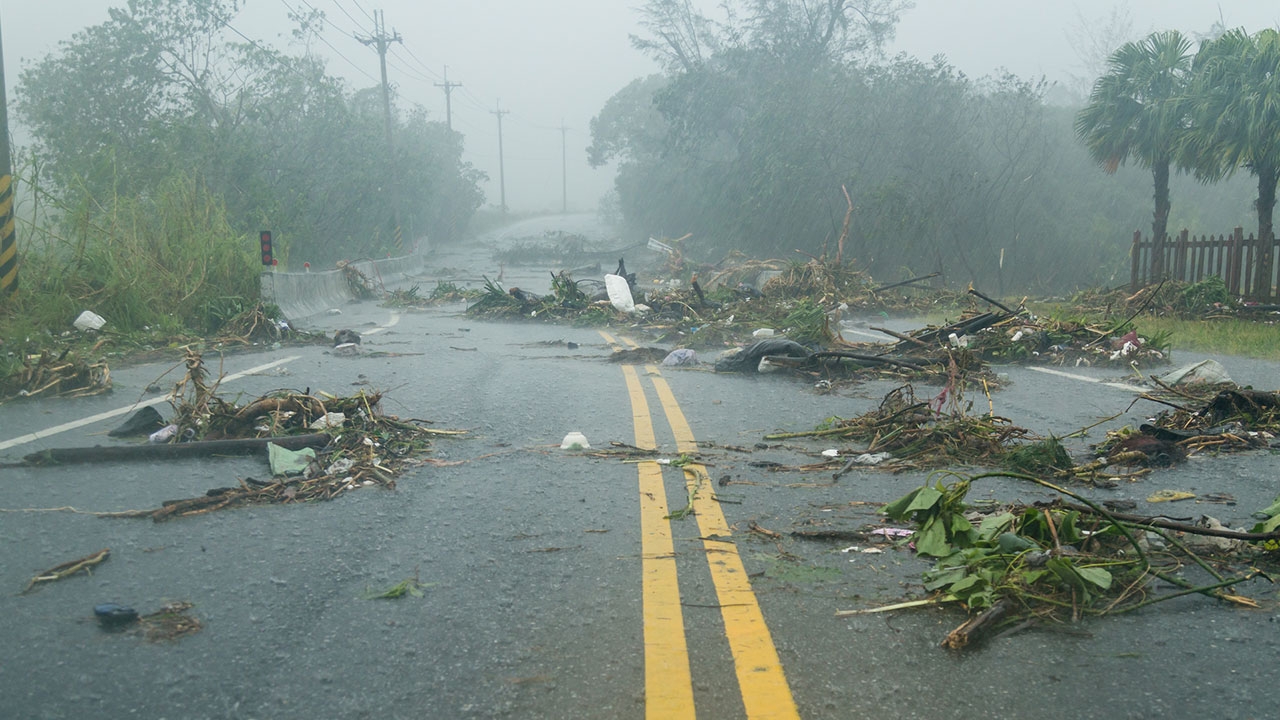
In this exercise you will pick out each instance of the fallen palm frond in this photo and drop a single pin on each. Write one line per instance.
(444, 292)
(67, 569)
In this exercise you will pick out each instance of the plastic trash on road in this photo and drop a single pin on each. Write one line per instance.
(619, 293)
(143, 422)
(289, 462)
(330, 420)
(113, 615)
(163, 435)
(575, 441)
(1205, 372)
(89, 320)
(681, 356)
(659, 246)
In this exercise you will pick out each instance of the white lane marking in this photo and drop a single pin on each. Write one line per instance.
(395, 318)
(21, 440)
(1048, 371)
(1085, 378)
(863, 333)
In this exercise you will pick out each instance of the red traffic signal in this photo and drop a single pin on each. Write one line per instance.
(268, 258)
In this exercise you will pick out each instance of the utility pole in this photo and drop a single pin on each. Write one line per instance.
(448, 90)
(8, 241)
(502, 176)
(380, 41)
(564, 169)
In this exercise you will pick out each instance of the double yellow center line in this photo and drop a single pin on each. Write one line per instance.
(668, 680)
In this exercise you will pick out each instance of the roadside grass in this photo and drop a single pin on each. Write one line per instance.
(158, 268)
(1242, 337)
(1259, 339)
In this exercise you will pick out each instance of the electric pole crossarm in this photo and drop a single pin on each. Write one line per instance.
(448, 92)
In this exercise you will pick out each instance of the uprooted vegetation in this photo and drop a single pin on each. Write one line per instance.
(70, 372)
(1016, 566)
(347, 443)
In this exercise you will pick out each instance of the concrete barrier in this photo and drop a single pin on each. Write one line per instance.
(301, 296)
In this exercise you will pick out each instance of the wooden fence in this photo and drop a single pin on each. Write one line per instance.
(1237, 259)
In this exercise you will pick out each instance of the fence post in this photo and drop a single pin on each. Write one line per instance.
(1180, 260)
(1135, 256)
(1233, 261)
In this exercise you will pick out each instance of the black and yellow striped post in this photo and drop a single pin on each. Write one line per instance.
(8, 242)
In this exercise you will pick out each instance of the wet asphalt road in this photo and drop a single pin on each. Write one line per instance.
(531, 557)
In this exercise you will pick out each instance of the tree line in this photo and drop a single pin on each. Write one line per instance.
(1209, 113)
(168, 91)
(762, 120)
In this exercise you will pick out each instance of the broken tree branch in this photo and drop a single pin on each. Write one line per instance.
(242, 446)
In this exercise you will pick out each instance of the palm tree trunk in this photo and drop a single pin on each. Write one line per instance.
(1160, 222)
(1266, 237)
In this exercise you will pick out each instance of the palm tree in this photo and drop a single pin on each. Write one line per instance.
(1138, 111)
(1236, 112)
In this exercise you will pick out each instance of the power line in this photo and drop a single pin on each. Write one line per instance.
(344, 12)
(324, 40)
(425, 66)
(366, 12)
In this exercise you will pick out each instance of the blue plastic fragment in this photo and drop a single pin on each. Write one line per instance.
(112, 614)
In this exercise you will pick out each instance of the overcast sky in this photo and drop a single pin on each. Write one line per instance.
(554, 61)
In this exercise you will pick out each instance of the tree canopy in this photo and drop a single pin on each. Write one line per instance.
(767, 113)
(165, 87)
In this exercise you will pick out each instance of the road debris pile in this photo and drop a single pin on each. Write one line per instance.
(1017, 566)
(444, 292)
(554, 246)
(1017, 336)
(65, 375)
(362, 286)
(567, 300)
(259, 324)
(905, 433)
(319, 446)
(1230, 419)
(1206, 299)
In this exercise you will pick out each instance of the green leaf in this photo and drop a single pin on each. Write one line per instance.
(1096, 575)
(969, 583)
(942, 577)
(926, 498)
(1267, 526)
(993, 525)
(931, 539)
(897, 509)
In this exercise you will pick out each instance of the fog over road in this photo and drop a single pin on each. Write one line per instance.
(553, 585)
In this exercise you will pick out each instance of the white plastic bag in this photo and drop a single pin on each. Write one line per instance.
(619, 293)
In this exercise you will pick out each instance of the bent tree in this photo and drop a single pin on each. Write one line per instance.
(1236, 112)
(1138, 111)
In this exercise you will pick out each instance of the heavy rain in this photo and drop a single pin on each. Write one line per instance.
(665, 359)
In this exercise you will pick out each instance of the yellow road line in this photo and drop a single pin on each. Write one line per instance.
(765, 692)
(667, 681)
(609, 339)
